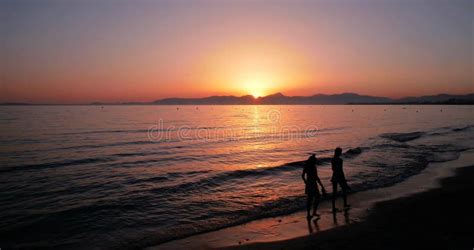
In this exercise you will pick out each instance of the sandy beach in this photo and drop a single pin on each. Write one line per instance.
(420, 212)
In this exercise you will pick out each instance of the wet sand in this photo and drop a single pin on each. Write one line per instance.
(419, 212)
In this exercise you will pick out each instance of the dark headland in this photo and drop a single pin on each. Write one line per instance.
(344, 98)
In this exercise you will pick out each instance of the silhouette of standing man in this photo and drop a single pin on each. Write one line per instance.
(311, 181)
(338, 178)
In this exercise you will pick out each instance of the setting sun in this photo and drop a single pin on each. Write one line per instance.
(257, 92)
(258, 85)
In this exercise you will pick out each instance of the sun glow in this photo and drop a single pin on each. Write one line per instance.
(252, 67)
(257, 86)
(256, 94)
(256, 90)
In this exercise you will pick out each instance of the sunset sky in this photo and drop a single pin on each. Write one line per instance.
(98, 50)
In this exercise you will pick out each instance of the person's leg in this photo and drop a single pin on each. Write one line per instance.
(308, 204)
(316, 204)
(344, 195)
(334, 192)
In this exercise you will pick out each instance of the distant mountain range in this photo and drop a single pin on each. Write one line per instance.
(280, 99)
(345, 98)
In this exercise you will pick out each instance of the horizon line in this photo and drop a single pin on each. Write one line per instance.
(153, 102)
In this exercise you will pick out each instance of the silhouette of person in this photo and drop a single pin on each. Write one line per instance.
(338, 178)
(311, 180)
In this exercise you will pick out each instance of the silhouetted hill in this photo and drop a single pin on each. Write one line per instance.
(348, 98)
(441, 98)
(211, 100)
(344, 98)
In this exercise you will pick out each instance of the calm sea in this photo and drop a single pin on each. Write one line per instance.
(133, 176)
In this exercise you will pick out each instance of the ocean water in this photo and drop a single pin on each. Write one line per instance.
(135, 176)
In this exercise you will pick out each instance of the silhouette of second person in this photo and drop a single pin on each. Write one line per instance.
(311, 180)
(338, 178)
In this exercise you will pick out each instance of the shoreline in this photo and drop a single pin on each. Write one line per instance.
(277, 232)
